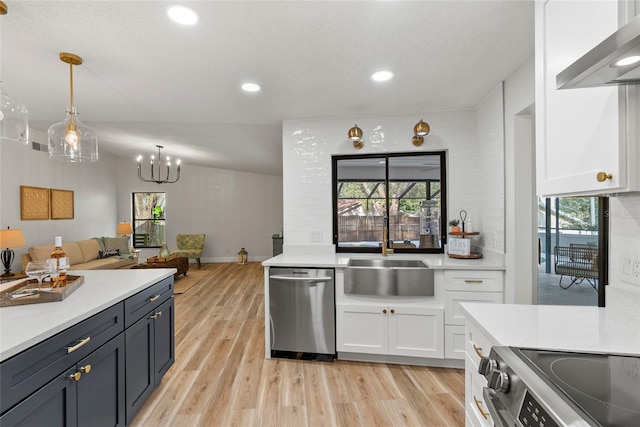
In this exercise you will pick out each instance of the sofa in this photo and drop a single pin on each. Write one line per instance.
(98, 253)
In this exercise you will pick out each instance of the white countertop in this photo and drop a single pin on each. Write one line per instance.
(489, 261)
(23, 326)
(571, 328)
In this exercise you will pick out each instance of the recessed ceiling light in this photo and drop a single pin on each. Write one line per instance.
(382, 76)
(250, 87)
(182, 15)
(629, 60)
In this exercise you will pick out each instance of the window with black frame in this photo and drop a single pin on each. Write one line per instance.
(148, 220)
(404, 193)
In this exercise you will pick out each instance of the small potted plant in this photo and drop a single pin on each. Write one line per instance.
(454, 225)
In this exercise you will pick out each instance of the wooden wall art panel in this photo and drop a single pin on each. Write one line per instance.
(34, 203)
(61, 204)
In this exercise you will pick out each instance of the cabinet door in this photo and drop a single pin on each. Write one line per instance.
(53, 405)
(416, 331)
(362, 329)
(139, 360)
(577, 130)
(101, 387)
(164, 340)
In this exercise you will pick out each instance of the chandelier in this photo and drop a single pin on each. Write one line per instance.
(156, 165)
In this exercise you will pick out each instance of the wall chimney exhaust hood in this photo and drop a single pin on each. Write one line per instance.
(598, 66)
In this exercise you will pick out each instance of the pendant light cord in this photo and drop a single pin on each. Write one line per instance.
(71, 89)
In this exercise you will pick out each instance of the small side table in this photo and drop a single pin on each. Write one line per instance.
(16, 276)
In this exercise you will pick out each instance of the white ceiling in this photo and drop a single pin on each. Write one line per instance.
(148, 81)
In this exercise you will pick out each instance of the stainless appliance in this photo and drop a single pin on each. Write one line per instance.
(595, 67)
(529, 387)
(302, 310)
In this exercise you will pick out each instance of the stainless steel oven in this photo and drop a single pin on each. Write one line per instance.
(530, 387)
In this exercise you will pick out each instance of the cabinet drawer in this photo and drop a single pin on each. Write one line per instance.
(453, 311)
(28, 371)
(138, 305)
(477, 344)
(472, 280)
(475, 406)
(454, 342)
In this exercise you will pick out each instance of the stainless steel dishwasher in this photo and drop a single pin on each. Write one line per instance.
(302, 311)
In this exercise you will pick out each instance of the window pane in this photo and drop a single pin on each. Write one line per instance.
(149, 219)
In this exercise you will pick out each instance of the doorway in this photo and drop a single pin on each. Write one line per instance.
(572, 250)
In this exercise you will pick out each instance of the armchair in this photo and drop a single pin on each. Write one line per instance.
(190, 246)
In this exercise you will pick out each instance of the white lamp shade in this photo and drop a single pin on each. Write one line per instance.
(14, 120)
(72, 141)
(11, 238)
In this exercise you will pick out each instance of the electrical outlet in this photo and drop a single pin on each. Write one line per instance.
(316, 236)
(636, 269)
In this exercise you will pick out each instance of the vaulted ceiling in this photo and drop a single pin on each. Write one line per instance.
(146, 80)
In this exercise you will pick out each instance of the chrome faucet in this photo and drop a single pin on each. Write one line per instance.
(385, 238)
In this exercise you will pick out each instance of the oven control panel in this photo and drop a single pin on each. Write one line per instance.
(532, 414)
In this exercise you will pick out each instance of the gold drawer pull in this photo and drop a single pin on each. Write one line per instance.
(472, 281)
(76, 376)
(484, 414)
(153, 298)
(77, 346)
(478, 351)
(603, 176)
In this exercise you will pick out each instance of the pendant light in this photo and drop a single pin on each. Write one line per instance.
(14, 117)
(70, 140)
(420, 130)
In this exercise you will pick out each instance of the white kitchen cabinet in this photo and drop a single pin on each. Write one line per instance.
(466, 286)
(581, 132)
(390, 329)
(477, 345)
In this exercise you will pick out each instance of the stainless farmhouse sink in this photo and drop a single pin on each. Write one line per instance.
(388, 277)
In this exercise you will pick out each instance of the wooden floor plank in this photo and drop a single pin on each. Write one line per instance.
(221, 377)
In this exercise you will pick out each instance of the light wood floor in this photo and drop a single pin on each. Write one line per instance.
(221, 377)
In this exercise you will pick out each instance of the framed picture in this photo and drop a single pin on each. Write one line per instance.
(61, 204)
(34, 203)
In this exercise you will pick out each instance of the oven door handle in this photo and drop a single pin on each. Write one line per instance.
(497, 410)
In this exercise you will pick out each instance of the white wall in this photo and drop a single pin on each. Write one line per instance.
(94, 187)
(234, 209)
(521, 213)
(624, 242)
(309, 144)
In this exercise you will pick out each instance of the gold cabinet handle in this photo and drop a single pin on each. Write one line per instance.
(484, 414)
(154, 316)
(392, 311)
(77, 346)
(76, 376)
(86, 369)
(153, 298)
(603, 176)
(159, 314)
(478, 351)
(384, 311)
(472, 281)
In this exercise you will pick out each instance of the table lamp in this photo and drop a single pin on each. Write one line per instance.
(124, 229)
(10, 239)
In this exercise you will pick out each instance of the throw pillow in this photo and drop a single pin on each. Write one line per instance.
(108, 254)
(120, 243)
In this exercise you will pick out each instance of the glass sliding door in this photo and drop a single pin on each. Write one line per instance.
(572, 236)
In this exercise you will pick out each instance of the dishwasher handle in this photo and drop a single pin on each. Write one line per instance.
(303, 279)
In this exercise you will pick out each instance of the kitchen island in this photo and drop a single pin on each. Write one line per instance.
(64, 363)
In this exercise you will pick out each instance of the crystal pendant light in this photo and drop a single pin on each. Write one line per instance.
(14, 120)
(14, 117)
(70, 140)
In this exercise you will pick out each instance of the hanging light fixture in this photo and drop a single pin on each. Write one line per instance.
(70, 140)
(420, 130)
(355, 135)
(158, 180)
(14, 117)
